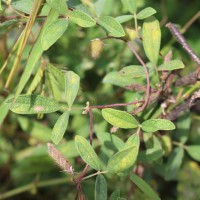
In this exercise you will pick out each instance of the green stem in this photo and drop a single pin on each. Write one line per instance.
(30, 186)
(97, 173)
(135, 21)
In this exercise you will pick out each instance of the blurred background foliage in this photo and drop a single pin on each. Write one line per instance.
(23, 152)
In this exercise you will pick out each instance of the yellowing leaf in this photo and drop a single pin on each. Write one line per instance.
(119, 118)
(72, 81)
(122, 160)
(151, 35)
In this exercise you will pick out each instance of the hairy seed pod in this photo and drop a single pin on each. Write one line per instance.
(96, 47)
(60, 159)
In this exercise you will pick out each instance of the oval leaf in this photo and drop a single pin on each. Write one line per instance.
(151, 39)
(82, 19)
(119, 118)
(194, 151)
(53, 32)
(133, 71)
(100, 188)
(87, 153)
(130, 5)
(124, 18)
(174, 163)
(153, 125)
(59, 5)
(116, 78)
(33, 104)
(99, 7)
(111, 25)
(115, 195)
(144, 187)
(23, 6)
(60, 127)
(171, 65)
(147, 12)
(72, 81)
(122, 160)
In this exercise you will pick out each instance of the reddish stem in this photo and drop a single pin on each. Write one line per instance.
(147, 94)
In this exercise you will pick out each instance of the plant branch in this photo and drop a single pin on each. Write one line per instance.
(176, 33)
(147, 94)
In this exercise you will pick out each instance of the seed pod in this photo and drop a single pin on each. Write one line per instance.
(60, 159)
(96, 48)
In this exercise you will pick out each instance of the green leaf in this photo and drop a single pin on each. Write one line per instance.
(32, 104)
(194, 151)
(100, 188)
(99, 7)
(122, 160)
(171, 65)
(34, 129)
(54, 87)
(59, 5)
(37, 79)
(115, 195)
(124, 18)
(60, 127)
(53, 32)
(4, 109)
(154, 149)
(119, 118)
(87, 153)
(147, 12)
(112, 26)
(174, 163)
(82, 19)
(35, 55)
(110, 141)
(144, 187)
(133, 140)
(130, 5)
(72, 81)
(117, 79)
(23, 6)
(133, 71)
(153, 125)
(151, 35)
(183, 124)
(0, 10)
(58, 74)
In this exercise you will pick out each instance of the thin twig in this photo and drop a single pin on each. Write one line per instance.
(116, 105)
(176, 33)
(147, 94)
(91, 125)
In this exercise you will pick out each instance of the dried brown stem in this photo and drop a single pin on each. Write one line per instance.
(179, 37)
(189, 79)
